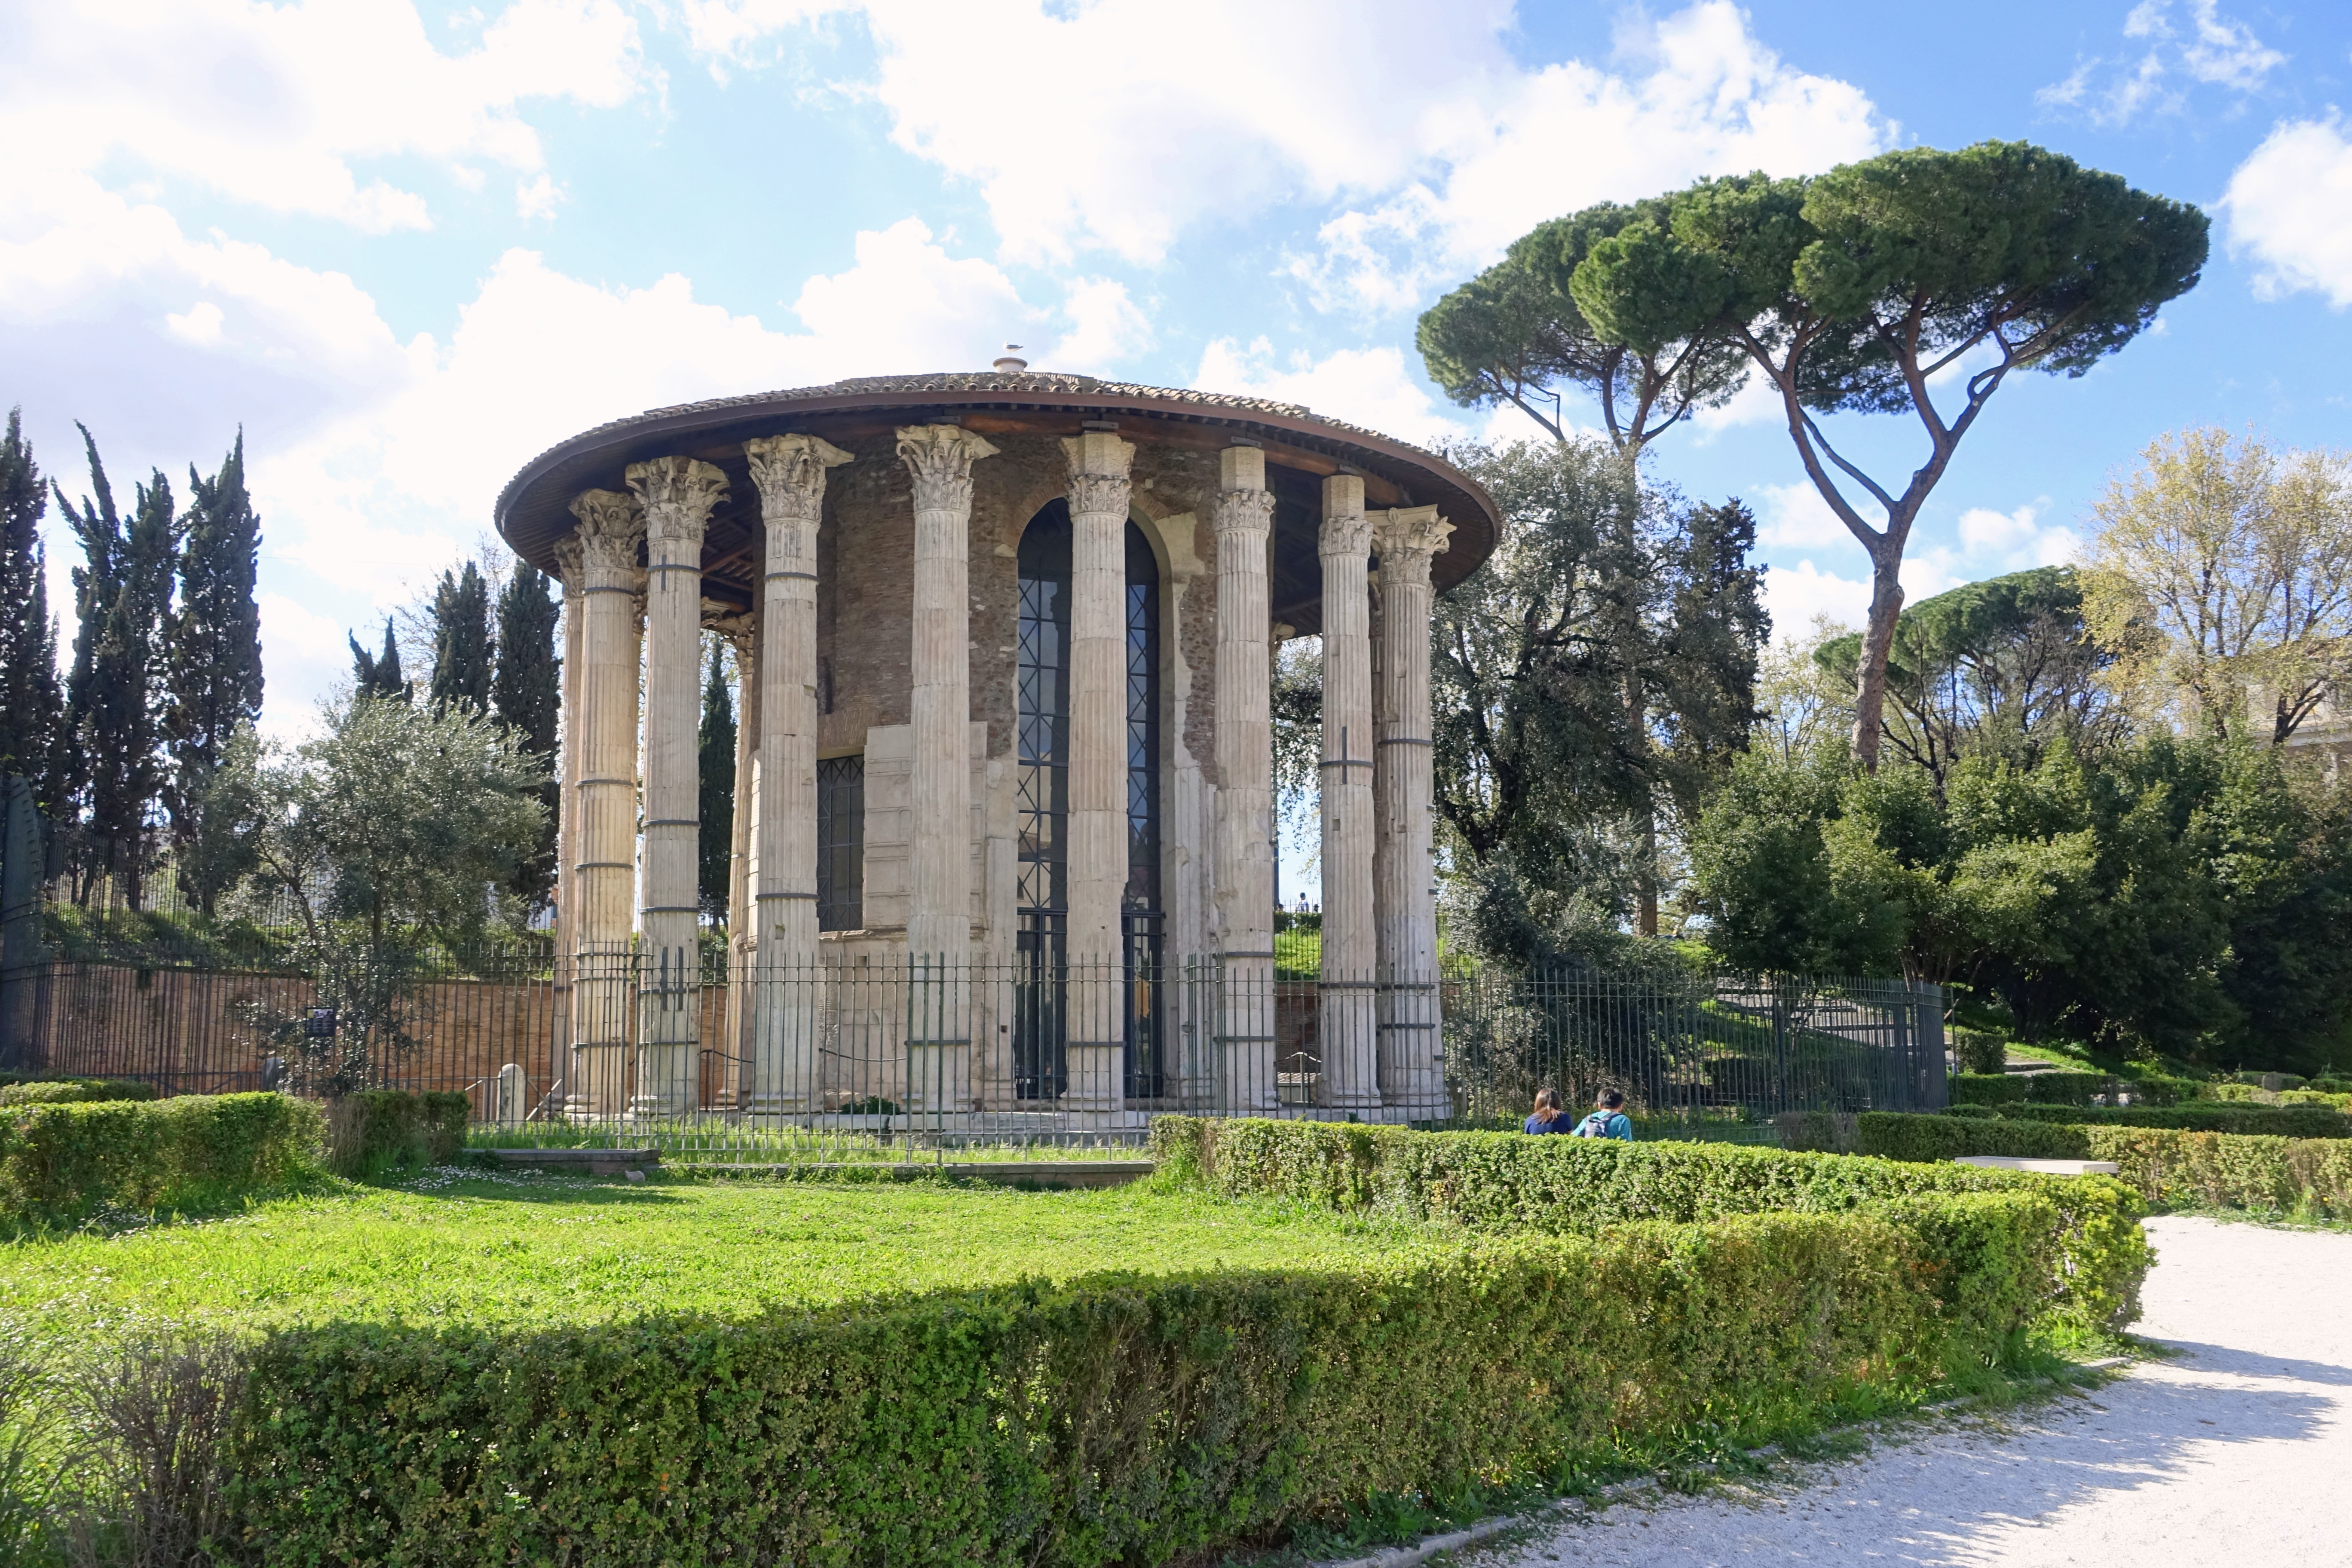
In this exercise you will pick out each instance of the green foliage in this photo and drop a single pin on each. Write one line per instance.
(59, 1162)
(32, 709)
(213, 657)
(462, 645)
(2219, 1169)
(73, 1091)
(715, 783)
(1893, 1135)
(1513, 1182)
(372, 1134)
(2042, 1087)
(2278, 1121)
(378, 676)
(524, 695)
(1117, 1418)
(1979, 1053)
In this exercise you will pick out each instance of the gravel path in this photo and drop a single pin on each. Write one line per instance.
(2239, 1451)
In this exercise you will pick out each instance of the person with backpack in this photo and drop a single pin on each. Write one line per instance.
(1550, 1116)
(1608, 1119)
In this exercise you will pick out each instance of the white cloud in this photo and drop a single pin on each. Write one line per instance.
(536, 198)
(200, 325)
(1107, 328)
(2217, 50)
(1370, 387)
(1795, 594)
(1410, 111)
(2290, 207)
(276, 105)
(2227, 53)
(1795, 517)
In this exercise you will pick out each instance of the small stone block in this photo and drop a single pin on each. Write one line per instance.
(634, 1175)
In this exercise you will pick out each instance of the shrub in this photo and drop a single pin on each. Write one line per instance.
(375, 1132)
(1116, 1418)
(1817, 1132)
(1980, 1053)
(2274, 1120)
(60, 1162)
(1510, 1181)
(73, 1091)
(2042, 1087)
(2221, 1170)
(1894, 1135)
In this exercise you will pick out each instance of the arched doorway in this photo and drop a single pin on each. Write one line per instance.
(1042, 807)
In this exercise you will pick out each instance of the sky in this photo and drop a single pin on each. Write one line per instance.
(404, 247)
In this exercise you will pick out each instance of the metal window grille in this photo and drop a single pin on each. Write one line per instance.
(841, 843)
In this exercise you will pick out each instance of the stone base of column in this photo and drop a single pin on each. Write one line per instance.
(668, 1080)
(938, 1076)
(1096, 1075)
(1346, 1038)
(595, 1085)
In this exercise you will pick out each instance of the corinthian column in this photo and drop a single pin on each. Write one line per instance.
(603, 808)
(1245, 803)
(938, 920)
(678, 494)
(1097, 867)
(1411, 1072)
(1345, 1024)
(790, 471)
(742, 634)
(570, 573)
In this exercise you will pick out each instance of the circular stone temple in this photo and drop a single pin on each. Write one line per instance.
(1004, 841)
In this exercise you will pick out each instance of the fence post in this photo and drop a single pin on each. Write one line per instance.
(20, 920)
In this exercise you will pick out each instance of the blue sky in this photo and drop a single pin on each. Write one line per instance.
(407, 247)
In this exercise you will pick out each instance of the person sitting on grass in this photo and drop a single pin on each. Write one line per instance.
(1549, 1116)
(1608, 1119)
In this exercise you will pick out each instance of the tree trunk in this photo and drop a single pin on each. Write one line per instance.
(1878, 644)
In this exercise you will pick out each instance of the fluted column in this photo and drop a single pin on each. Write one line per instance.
(1097, 876)
(1412, 1070)
(605, 804)
(678, 494)
(1345, 1024)
(741, 632)
(938, 921)
(1244, 802)
(791, 473)
(569, 573)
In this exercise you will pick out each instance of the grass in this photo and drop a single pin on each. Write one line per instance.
(527, 1249)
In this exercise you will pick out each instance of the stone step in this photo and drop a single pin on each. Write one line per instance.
(595, 1162)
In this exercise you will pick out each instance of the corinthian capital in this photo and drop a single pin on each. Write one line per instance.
(1244, 512)
(1407, 536)
(611, 525)
(679, 493)
(790, 472)
(940, 457)
(1345, 533)
(568, 564)
(1099, 462)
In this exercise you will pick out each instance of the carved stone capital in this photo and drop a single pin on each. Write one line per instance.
(790, 471)
(940, 457)
(567, 564)
(1099, 493)
(1406, 538)
(1100, 463)
(611, 527)
(677, 493)
(1244, 512)
(736, 626)
(1345, 533)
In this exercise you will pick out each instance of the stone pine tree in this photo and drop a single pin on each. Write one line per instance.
(378, 675)
(212, 653)
(462, 644)
(524, 697)
(122, 595)
(715, 758)
(1855, 291)
(32, 706)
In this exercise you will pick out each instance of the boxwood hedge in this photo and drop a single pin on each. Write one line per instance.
(2275, 1120)
(1511, 1182)
(60, 1162)
(1118, 1418)
(73, 1091)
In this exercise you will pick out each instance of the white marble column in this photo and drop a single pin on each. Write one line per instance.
(939, 870)
(1412, 1070)
(742, 634)
(678, 494)
(1096, 1051)
(605, 804)
(1345, 1022)
(791, 473)
(570, 573)
(1244, 802)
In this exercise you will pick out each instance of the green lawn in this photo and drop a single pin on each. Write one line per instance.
(525, 1250)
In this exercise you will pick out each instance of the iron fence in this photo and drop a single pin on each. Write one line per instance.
(710, 1057)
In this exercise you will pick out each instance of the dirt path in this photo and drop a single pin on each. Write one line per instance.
(2239, 1451)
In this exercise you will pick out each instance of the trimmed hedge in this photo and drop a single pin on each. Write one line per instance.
(2042, 1087)
(60, 1162)
(377, 1133)
(1114, 1419)
(2176, 1168)
(2274, 1120)
(1506, 1181)
(73, 1091)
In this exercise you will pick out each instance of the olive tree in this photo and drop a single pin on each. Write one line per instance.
(1859, 290)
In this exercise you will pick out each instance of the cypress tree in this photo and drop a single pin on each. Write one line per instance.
(122, 593)
(32, 708)
(461, 642)
(213, 657)
(716, 775)
(379, 676)
(525, 696)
